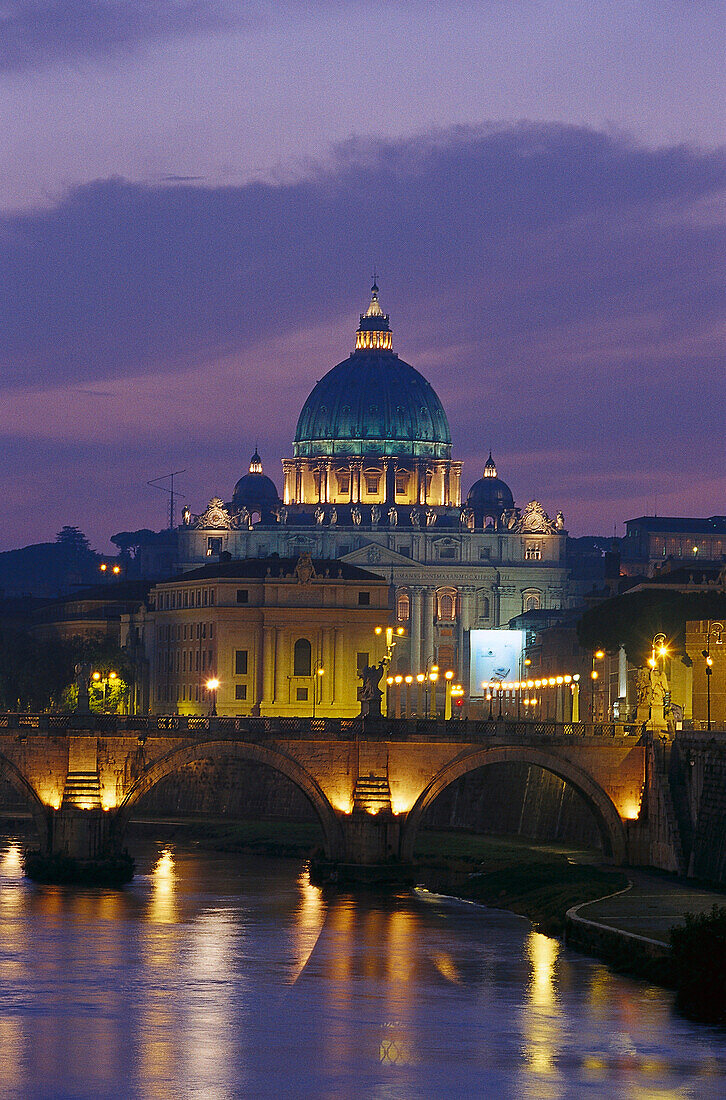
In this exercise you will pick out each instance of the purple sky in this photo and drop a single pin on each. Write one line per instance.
(192, 201)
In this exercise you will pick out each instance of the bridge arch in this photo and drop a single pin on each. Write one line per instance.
(608, 820)
(38, 809)
(199, 751)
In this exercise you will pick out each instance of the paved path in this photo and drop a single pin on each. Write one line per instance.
(652, 906)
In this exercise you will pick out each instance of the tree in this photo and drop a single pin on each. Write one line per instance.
(73, 540)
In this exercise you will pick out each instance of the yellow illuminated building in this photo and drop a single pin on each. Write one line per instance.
(269, 637)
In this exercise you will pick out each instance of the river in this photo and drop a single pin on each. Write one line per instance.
(222, 976)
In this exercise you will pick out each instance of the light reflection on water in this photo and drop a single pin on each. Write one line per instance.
(218, 976)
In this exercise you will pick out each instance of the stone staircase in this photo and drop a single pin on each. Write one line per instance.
(372, 794)
(82, 790)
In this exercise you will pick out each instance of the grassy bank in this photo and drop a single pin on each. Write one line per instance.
(289, 839)
(540, 881)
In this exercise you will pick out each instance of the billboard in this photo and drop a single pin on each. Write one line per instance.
(495, 655)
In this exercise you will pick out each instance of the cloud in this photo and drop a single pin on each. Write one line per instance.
(561, 288)
(36, 33)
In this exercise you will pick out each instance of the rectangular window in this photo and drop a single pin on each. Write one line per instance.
(301, 695)
(214, 545)
(211, 596)
(186, 598)
(343, 483)
(484, 552)
(204, 660)
(362, 661)
(371, 484)
(240, 691)
(243, 595)
(405, 550)
(447, 552)
(211, 630)
(204, 630)
(240, 662)
(184, 661)
(364, 599)
(205, 596)
(532, 553)
(196, 693)
(196, 661)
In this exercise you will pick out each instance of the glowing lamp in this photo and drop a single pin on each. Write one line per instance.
(449, 675)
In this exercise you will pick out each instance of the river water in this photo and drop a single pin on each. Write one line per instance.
(222, 976)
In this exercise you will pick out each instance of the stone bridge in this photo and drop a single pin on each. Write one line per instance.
(369, 782)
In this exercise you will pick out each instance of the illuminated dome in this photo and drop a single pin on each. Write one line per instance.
(490, 496)
(373, 402)
(255, 491)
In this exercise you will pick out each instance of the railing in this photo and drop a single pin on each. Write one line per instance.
(341, 729)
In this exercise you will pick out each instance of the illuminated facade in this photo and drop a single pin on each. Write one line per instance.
(278, 636)
(372, 482)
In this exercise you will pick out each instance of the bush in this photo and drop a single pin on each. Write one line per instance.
(699, 954)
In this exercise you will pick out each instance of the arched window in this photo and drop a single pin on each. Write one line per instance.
(403, 608)
(531, 602)
(447, 606)
(302, 658)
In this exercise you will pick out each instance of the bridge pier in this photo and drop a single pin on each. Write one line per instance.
(80, 834)
(370, 839)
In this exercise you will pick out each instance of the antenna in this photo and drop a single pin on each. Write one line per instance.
(155, 484)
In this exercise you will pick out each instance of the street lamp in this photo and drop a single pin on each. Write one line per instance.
(448, 676)
(103, 681)
(433, 677)
(715, 630)
(212, 685)
(598, 655)
(316, 678)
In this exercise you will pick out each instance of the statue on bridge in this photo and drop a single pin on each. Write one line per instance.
(83, 683)
(369, 693)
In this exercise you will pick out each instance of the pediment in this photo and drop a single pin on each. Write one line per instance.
(375, 554)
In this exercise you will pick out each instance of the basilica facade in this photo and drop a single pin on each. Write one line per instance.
(372, 481)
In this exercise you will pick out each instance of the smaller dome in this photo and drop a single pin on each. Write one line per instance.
(255, 491)
(490, 496)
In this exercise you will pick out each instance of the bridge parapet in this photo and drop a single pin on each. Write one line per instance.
(336, 729)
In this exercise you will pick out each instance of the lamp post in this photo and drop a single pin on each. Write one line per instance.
(598, 655)
(212, 685)
(103, 681)
(448, 676)
(715, 630)
(390, 646)
(408, 680)
(317, 679)
(420, 680)
(433, 677)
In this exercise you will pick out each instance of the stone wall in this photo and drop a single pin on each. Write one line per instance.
(519, 799)
(228, 788)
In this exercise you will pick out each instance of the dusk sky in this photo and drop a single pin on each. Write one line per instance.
(194, 194)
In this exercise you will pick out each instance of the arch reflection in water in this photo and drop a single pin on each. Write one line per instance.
(308, 921)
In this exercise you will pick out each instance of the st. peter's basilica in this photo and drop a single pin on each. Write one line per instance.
(372, 481)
